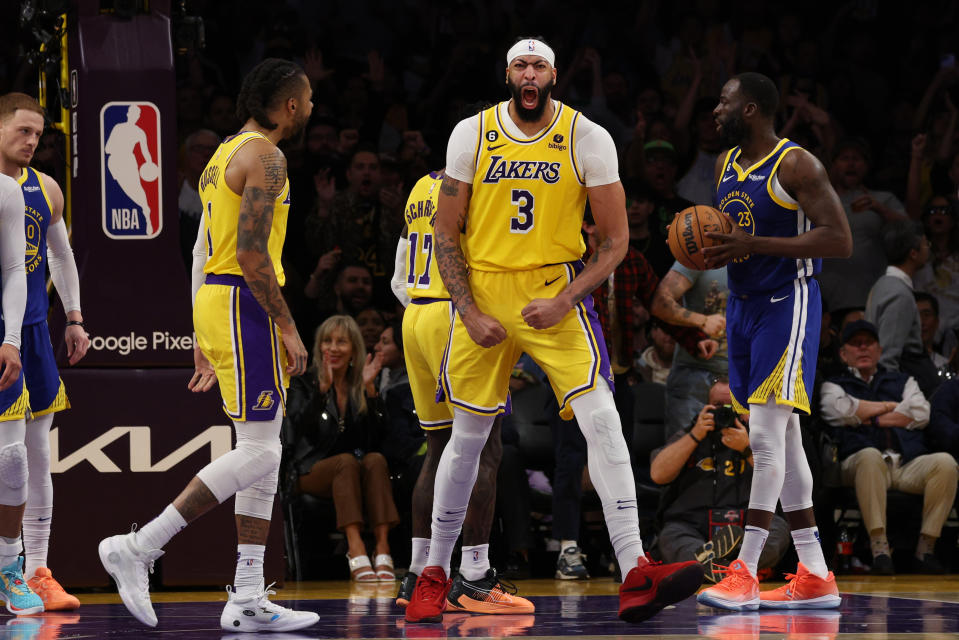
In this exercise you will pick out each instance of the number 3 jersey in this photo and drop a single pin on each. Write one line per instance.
(528, 193)
(422, 275)
(755, 200)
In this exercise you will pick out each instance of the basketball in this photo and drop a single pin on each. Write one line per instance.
(687, 234)
(149, 171)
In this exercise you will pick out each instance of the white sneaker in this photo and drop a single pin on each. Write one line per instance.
(129, 566)
(256, 613)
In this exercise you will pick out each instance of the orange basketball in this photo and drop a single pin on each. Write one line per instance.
(687, 234)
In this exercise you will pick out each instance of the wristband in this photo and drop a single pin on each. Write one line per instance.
(78, 323)
(695, 439)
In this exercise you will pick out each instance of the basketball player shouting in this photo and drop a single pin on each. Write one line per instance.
(517, 179)
(21, 126)
(247, 341)
(785, 217)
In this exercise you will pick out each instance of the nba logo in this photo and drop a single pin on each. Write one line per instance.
(130, 168)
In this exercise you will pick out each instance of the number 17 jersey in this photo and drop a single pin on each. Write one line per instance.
(422, 275)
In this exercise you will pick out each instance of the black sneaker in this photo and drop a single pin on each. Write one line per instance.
(929, 564)
(882, 565)
(489, 594)
(569, 565)
(720, 551)
(406, 589)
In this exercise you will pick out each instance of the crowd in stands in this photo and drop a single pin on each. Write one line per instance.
(870, 88)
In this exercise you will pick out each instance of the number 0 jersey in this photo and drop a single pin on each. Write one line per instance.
(422, 275)
(221, 210)
(38, 212)
(529, 195)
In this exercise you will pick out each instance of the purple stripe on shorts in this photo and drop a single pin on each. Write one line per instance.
(228, 279)
(263, 398)
(589, 319)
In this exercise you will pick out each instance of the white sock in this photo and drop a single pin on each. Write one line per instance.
(809, 551)
(420, 556)
(474, 562)
(158, 531)
(9, 550)
(249, 570)
(566, 544)
(36, 537)
(624, 534)
(753, 543)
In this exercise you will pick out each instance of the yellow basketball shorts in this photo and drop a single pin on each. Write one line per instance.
(244, 346)
(426, 329)
(572, 353)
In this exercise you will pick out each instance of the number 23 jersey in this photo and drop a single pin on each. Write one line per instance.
(528, 193)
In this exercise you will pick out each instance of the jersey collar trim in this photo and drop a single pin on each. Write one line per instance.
(499, 122)
(740, 174)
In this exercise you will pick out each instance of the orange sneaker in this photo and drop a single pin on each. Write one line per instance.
(54, 597)
(738, 591)
(804, 590)
(489, 594)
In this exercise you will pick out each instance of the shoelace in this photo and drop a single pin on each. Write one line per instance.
(143, 569)
(429, 588)
(738, 579)
(47, 583)
(575, 558)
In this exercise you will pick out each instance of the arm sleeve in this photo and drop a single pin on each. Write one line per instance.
(838, 407)
(461, 150)
(914, 405)
(199, 259)
(13, 275)
(595, 153)
(63, 266)
(398, 283)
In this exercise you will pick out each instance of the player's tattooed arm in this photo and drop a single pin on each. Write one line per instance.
(608, 203)
(253, 235)
(666, 299)
(453, 205)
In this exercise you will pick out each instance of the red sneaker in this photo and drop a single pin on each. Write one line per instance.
(429, 596)
(804, 590)
(650, 586)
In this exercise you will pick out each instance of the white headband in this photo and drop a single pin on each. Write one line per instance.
(531, 48)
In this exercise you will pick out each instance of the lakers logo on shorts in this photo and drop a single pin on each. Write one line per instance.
(264, 401)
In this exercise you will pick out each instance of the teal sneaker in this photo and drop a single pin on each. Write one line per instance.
(14, 590)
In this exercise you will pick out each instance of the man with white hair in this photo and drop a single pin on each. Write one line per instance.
(517, 179)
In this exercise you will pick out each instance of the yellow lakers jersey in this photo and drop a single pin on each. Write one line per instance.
(422, 275)
(221, 209)
(528, 197)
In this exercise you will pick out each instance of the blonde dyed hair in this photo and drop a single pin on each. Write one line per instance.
(354, 373)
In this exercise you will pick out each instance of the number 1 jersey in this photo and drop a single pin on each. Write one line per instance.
(422, 275)
(529, 195)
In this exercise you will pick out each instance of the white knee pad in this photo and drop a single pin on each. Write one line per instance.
(256, 501)
(601, 426)
(257, 454)
(13, 474)
(470, 432)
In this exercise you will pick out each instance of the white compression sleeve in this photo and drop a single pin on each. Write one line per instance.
(199, 259)
(398, 283)
(63, 266)
(13, 249)
(767, 439)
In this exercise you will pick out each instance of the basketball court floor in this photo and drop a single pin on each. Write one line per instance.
(889, 608)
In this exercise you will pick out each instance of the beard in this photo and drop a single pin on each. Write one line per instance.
(734, 132)
(534, 114)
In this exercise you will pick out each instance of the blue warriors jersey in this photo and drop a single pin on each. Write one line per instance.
(755, 200)
(38, 212)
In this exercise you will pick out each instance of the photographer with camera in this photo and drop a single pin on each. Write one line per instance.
(708, 470)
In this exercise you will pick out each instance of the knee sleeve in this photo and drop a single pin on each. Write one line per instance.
(257, 454)
(599, 421)
(13, 474)
(767, 438)
(39, 482)
(796, 493)
(256, 501)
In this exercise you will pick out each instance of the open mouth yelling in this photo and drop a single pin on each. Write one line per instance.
(530, 96)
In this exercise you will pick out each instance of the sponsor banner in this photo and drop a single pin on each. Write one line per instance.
(131, 441)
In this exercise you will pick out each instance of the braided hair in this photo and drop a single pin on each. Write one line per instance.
(265, 87)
